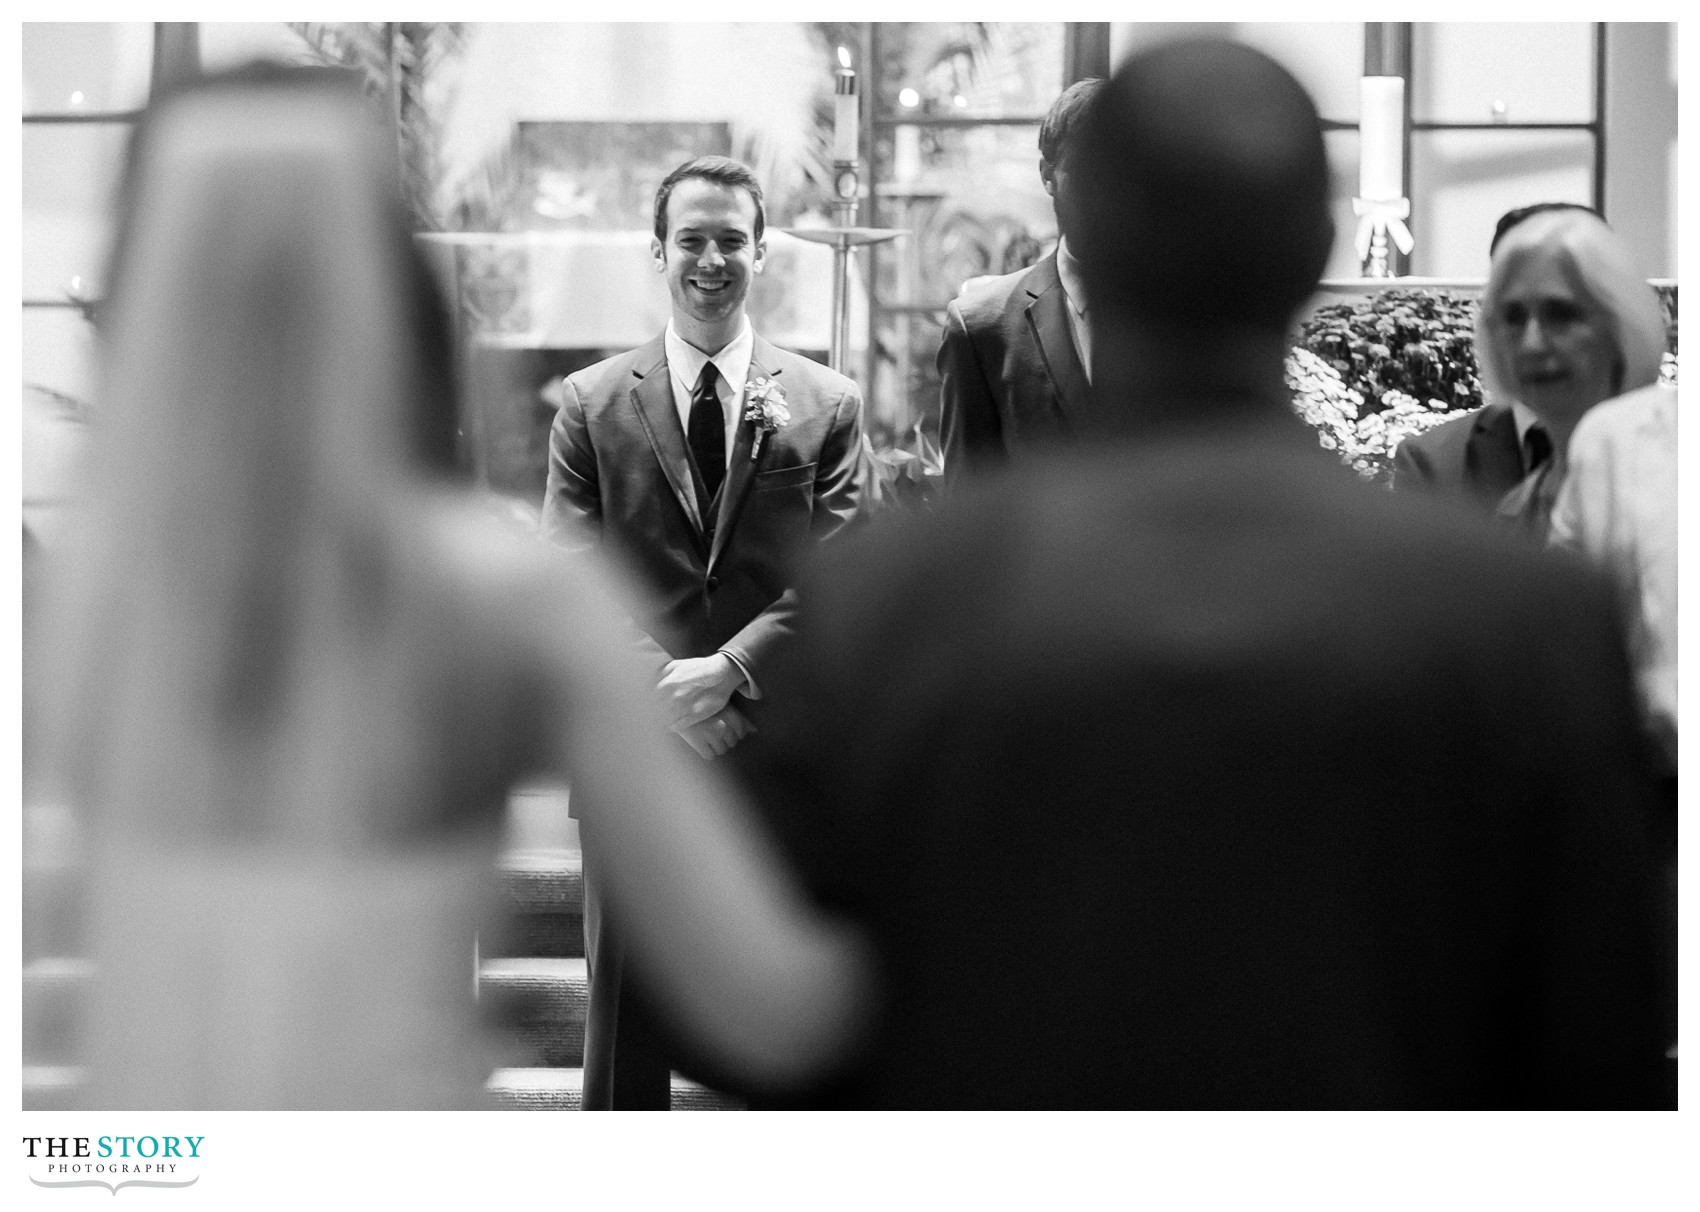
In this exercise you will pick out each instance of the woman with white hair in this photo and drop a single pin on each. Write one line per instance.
(1570, 327)
(1566, 321)
(294, 673)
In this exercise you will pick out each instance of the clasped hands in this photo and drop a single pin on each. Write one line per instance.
(697, 695)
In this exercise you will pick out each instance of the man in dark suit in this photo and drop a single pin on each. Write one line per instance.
(1483, 455)
(1016, 358)
(704, 461)
(1478, 457)
(1218, 778)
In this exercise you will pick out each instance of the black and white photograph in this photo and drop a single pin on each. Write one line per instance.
(1118, 573)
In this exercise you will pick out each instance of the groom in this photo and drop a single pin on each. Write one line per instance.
(704, 461)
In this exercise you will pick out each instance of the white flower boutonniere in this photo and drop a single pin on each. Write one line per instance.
(764, 407)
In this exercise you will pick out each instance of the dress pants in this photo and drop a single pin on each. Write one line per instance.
(625, 1068)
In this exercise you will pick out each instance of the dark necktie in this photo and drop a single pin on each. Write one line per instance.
(707, 434)
(1537, 445)
(1528, 506)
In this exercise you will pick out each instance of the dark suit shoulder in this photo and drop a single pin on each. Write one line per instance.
(987, 301)
(1449, 436)
(795, 367)
(1478, 451)
(617, 373)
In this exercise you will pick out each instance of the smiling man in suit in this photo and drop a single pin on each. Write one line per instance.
(1017, 353)
(705, 461)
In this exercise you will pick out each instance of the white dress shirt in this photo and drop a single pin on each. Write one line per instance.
(1074, 290)
(684, 365)
(1618, 505)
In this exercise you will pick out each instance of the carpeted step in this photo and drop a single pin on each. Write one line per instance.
(563, 1090)
(52, 1087)
(53, 876)
(539, 1003)
(543, 892)
(55, 989)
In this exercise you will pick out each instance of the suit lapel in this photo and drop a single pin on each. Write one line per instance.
(1495, 450)
(739, 476)
(1048, 315)
(652, 398)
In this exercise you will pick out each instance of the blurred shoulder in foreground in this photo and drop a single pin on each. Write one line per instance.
(293, 671)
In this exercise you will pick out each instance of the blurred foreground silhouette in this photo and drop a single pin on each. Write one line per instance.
(288, 673)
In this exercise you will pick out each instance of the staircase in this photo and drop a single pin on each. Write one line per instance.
(55, 982)
(531, 978)
(541, 990)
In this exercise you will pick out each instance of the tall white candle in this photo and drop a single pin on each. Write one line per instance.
(846, 120)
(1381, 138)
(908, 158)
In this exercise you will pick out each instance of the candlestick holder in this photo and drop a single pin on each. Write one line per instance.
(1381, 220)
(1376, 265)
(845, 238)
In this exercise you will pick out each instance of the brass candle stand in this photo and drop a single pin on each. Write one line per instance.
(844, 238)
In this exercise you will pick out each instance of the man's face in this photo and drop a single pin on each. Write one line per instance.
(1060, 185)
(1556, 344)
(709, 256)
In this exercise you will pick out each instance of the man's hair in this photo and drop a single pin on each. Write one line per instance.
(1063, 122)
(1512, 218)
(722, 170)
(1203, 189)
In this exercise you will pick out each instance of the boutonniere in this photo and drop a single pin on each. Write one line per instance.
(764, 407)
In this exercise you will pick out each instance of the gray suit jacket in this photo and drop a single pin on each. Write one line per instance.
(1476, 458)
(1011, 379)
(621, 477)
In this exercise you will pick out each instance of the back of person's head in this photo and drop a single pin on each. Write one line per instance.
(1062, 123)
(1203, 187)
(1516, 215)
(1600, 267)
(721, 170)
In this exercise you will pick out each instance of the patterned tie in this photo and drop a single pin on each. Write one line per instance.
(707, 434)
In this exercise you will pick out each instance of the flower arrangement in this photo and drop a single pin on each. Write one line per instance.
(1365, 441)
(1418, 342)
(1369, 373)
(902, 475)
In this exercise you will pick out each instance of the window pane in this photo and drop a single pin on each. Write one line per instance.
(980, 69)
(58, 356)
(976, 207)
(59, 351)
(1523, 72)
(54, 441)
(69, 175)
(86, 66)
(1464, 180)
(226, 44)
(1327, 57)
